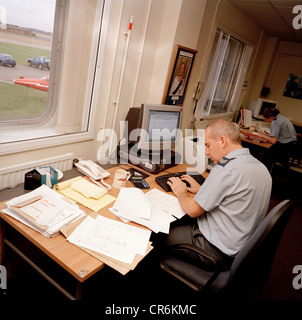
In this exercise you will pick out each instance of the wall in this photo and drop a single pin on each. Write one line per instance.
(155, 34)
(252, 86)
(221, 14)
(266, 55)
(274, 62)
(288, 59)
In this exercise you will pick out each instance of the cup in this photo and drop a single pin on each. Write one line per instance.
(120, 178)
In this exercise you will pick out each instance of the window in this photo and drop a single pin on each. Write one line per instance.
(65, 112)
(223, 74)
(25, 44)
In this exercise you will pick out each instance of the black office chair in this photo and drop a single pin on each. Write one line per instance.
(251, 266)
(295, 156)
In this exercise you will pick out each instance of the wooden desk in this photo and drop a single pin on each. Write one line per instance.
(74, 260)
(254, 141)
(257, 148)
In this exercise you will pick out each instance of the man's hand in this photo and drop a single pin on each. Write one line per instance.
(178, 187)
(194, 185)
(187, 202)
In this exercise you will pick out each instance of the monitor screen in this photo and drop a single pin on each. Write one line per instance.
(158, 126)
(163, 125)
(259, 105)
(267, 104)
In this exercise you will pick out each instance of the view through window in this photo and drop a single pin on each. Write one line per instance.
(26, 30)
(222, 74)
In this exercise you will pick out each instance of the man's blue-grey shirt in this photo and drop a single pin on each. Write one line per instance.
(235, 196)
(283, 129)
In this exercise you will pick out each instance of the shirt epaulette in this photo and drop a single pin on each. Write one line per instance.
(223, 161)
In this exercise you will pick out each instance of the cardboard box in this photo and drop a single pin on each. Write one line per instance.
(48, 170)
(32, 180)
(42, 175)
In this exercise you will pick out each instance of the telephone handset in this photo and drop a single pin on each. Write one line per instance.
(93, 171)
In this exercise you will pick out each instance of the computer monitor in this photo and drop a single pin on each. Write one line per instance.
(154, 127)
(258, 106)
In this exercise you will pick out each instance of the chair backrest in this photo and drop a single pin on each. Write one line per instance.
(296, 152)
(251, 267)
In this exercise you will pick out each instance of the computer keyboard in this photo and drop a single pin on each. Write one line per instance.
(162, 180)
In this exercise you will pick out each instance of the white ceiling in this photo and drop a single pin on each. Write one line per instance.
(273, 16)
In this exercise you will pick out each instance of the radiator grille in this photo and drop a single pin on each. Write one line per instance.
(13, 175)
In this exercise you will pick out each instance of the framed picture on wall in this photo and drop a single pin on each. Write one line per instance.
(293, 87)
(179, 75)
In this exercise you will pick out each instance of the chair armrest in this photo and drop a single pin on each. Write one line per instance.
(197, 250)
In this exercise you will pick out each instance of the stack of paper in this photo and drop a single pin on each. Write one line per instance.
(44, 210)
(118, 265)
(154, 209)
(132, 202)
(113, 239)
(82, 191)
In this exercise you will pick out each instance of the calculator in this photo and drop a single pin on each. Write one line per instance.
(139, 182)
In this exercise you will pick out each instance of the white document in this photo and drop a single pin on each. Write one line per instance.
(132, 202)
(158, 222)
(51, 215)
(166, 202)
(51, 210)
(246, 117)
(111, 238)
(13, 214)
(41, 191)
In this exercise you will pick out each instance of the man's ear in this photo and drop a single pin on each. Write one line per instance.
(223, 141)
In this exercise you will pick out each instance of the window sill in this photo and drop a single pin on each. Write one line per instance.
(26, 139)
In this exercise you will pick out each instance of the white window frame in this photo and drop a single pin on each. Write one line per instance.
(34, 136)
(212, 79)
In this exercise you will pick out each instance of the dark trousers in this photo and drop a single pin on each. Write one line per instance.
(186, 230)
(278, 152)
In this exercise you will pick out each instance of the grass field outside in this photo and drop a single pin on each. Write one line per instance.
(19, 102)
(22, 53)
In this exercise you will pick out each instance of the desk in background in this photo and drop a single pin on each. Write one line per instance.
(257, 148)
(253, 139)
(78, 263)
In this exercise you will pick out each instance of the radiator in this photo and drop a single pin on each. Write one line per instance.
(13, 175)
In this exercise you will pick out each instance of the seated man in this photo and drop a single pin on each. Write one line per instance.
(229, 205)
(282, 136)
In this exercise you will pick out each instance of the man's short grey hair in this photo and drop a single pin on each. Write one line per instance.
(226, 128)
